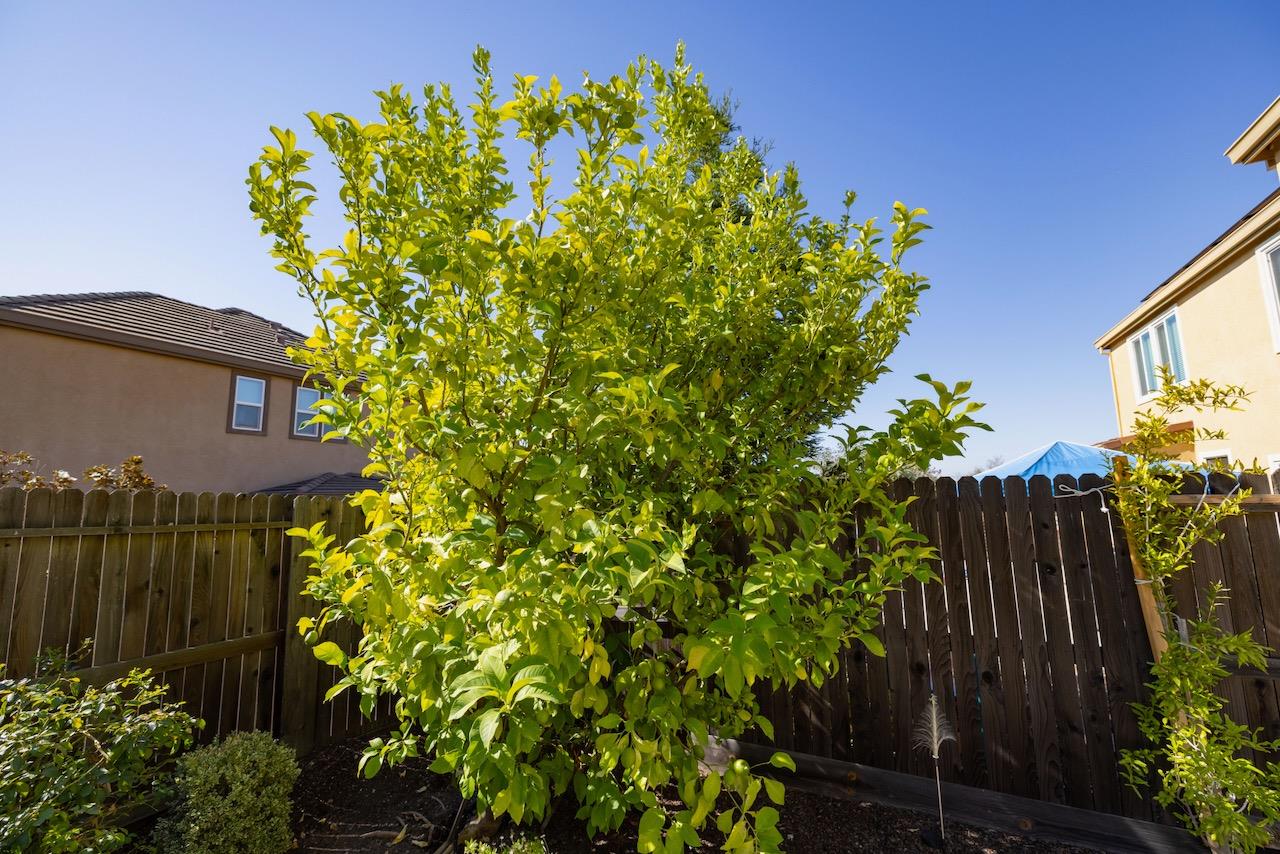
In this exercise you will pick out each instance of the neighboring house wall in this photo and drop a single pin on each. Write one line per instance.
(1226, 327)
(73, 403)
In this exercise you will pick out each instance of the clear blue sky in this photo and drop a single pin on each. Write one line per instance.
(1070, 154)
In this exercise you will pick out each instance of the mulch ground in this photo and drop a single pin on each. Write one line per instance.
(409, 809)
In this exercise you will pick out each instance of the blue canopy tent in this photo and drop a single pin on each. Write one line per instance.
(1055, 459)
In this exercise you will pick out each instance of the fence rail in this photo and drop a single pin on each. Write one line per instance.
(1033, 638)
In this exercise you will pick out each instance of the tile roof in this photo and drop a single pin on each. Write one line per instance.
(328, 483)
(158, 323)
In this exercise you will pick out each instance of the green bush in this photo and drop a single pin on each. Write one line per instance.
(234, 796)
(77, 761)
(523, 845)
(579, 406)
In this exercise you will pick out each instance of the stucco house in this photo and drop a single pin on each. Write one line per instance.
(208, 397)
(1217, 317)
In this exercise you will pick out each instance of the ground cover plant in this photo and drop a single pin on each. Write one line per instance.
(595, 408)
(1198, 756)
(77, 761)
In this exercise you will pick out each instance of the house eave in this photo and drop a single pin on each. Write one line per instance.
(54, 326)
(1260, 141)
(1258, 225)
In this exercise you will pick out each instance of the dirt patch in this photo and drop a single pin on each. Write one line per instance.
(335, 810)
(410, 809)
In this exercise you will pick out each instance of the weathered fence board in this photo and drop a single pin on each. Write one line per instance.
(1034, 642)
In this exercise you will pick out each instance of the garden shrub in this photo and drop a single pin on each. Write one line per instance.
(77, 760)
(523, 845)
(234, 797)
(1198, 755)
(602, 524)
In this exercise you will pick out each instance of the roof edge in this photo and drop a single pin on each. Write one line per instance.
(1202, 265)
(1251, 146)
(67, 329)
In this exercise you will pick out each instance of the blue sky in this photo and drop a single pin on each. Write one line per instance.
(1070, 155)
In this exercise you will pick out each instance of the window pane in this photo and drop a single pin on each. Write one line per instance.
(307, 397)
(1175, 349)
(1275, 270)
(1148, 364)
(250, 390)
(1143, 388)
(301, 427)
(247, 417)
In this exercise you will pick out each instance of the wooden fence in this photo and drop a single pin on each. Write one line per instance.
(1033, 642)
(197, 587)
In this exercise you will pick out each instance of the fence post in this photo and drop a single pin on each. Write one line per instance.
(1146, 598)
(299, 704)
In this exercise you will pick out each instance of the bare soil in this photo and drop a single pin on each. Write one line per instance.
(410, 809)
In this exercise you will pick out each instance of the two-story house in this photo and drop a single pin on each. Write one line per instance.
(208, 397)
(1217, 317)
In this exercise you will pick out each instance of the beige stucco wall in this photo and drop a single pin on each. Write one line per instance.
(1226, 336)
(74, 403)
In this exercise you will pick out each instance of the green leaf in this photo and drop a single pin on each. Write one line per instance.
(330, 653)
(872, 643)
(487, 725)
(782, 760)
(649, 837)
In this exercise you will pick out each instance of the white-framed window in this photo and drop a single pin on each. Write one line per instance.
(1269, 276)
(304, 402)
(1217, 458)
(248, 404)
(1156, 345)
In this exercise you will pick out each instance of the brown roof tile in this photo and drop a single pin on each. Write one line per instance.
(328, 483)
(158, 323)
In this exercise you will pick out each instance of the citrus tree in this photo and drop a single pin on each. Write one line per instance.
(600, 526)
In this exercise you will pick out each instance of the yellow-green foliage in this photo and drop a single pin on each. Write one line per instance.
(1197, 750)
(580, 399)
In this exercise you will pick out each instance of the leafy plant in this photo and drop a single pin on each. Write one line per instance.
(933, 730)
(22, 469)
(76, 760)
(523, 845)
(130, 475)
(601, 525)
(1197, 750)
(234, 797)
